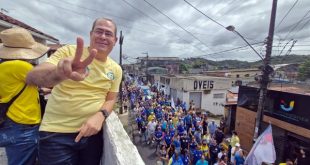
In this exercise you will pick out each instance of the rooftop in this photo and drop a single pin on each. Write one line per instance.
(16, 22)
(160, 58)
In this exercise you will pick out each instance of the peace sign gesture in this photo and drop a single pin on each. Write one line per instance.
(75, 69)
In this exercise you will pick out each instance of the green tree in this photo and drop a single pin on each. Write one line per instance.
(198, 63)
(184, 67)
(304, 71)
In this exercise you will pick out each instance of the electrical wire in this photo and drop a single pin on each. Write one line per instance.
(301, 28)
(85, 15)
(297, 24)
(157, 22)
(228, 50)
(286, 14)
(101, 11)
(177, 24)
(205, 14)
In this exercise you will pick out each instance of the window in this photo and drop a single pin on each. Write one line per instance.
(167, 81)
(218, 95)
(162, 80)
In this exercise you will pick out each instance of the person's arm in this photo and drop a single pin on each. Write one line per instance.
(45, 74)
(94, 124)
(48, 74)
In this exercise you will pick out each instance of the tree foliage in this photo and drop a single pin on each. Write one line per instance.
(184, 67)
(304, 71)
(235, 64)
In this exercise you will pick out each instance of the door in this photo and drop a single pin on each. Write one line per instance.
(173, 94)
(196, 97)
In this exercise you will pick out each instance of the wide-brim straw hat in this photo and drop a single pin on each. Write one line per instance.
(18, 43)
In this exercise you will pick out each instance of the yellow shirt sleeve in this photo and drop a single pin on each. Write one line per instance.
(65, 51)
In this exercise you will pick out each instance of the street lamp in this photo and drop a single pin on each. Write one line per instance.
(232, 29)
(266, 71)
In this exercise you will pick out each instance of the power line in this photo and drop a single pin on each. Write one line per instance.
(297, 24)
(140, 11)
(83, 14)
(283, 47)
(290, 49)
(205, 14)
(212, 6)
(100, 11)
(287, 14)
(177, 24)
(228, 50)
(301, 28)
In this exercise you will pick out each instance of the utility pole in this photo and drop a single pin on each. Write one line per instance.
(121, 38)
(267, 70)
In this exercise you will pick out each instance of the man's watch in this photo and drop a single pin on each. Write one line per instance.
(105, 113)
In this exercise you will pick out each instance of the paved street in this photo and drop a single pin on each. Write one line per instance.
(147, 152)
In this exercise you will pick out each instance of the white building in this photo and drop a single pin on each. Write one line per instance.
(208, 93)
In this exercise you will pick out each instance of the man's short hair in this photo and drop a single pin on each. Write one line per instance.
(107, 19)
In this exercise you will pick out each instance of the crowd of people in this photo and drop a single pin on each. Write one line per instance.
(179, 133)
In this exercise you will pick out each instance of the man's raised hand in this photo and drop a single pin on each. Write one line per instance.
(75, 69)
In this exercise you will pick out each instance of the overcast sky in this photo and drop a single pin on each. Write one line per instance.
(187, 33)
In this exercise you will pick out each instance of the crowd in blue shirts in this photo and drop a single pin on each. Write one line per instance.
(180, 134)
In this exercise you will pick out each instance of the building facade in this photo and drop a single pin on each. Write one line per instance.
(288, 114)
(238, 76)
(207, 93)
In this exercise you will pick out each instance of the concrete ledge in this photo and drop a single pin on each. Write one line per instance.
(118, 148)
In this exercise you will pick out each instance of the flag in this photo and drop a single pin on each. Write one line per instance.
(263, 149)
(172, 103)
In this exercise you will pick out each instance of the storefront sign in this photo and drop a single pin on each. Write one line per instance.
(202, 85)
(289, 107)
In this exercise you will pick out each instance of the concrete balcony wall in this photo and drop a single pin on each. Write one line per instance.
(118, 148)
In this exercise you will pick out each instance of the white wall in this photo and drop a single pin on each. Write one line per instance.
(118, 148)
(208, 102)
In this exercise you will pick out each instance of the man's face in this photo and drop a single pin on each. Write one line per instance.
(103, 37)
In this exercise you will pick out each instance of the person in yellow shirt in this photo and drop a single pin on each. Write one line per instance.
(85, 84)
(234, 139)
(19, 131)
(287, 162)
(175, 119)
(151, 117)
(205, 149)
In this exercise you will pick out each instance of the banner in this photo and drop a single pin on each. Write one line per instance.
(172, 103)
(263, 149)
